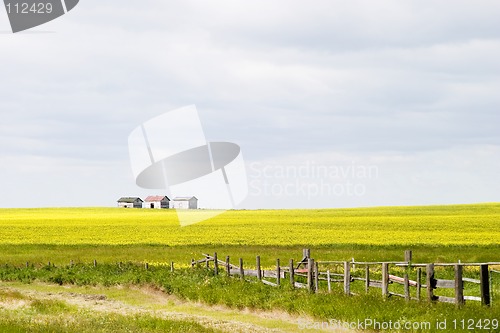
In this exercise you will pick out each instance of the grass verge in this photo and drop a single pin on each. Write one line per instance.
(201, 285)
(182, 255)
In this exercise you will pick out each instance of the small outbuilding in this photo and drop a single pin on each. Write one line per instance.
(185, 203)
(156, 202)
(130, 202)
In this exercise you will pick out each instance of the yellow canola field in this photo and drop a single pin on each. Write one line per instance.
(477, 224)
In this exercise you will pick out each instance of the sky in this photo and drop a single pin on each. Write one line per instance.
(333, 103)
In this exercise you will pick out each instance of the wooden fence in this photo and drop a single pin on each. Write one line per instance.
(321, 276)
(318, 276)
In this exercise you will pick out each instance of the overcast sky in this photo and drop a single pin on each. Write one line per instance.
(334, 103)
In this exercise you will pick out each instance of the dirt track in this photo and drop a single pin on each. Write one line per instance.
(154, 302)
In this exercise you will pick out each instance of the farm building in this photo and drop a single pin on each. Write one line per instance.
(156, 201)
(185, 203)
(130, 202)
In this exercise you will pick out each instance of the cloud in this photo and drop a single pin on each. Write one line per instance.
(281, 78)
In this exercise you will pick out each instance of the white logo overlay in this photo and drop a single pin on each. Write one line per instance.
(171, 152)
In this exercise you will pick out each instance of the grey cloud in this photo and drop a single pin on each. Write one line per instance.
(279, 78)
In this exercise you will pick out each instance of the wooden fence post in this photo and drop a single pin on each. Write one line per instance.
(429, 280)
(316, 276)
(385, 279)
(171, 266)
(367, 278)
(459, 286)
(259, 272)
(228, 266)
(242, 270)
(347, 277)
(216, 264)
(95, 263)
(485, 285)
(329, 281)
(207, 262)
(192, 263)
(310, 267)
(306, 253)
(146, 266)
(278, 272)
(27, 264)
(407, 287)
(408, 256)
(419, 282)
(292, 274)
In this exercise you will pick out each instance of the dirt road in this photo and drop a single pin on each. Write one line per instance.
(147, 300)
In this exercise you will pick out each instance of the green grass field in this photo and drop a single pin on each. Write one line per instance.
(53, 311)
(470, 233)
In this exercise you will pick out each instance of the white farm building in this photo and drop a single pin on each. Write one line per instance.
(184, 203)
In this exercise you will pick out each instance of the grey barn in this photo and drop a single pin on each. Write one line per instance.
(130, 202)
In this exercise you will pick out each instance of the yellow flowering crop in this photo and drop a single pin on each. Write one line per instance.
(440, 225)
